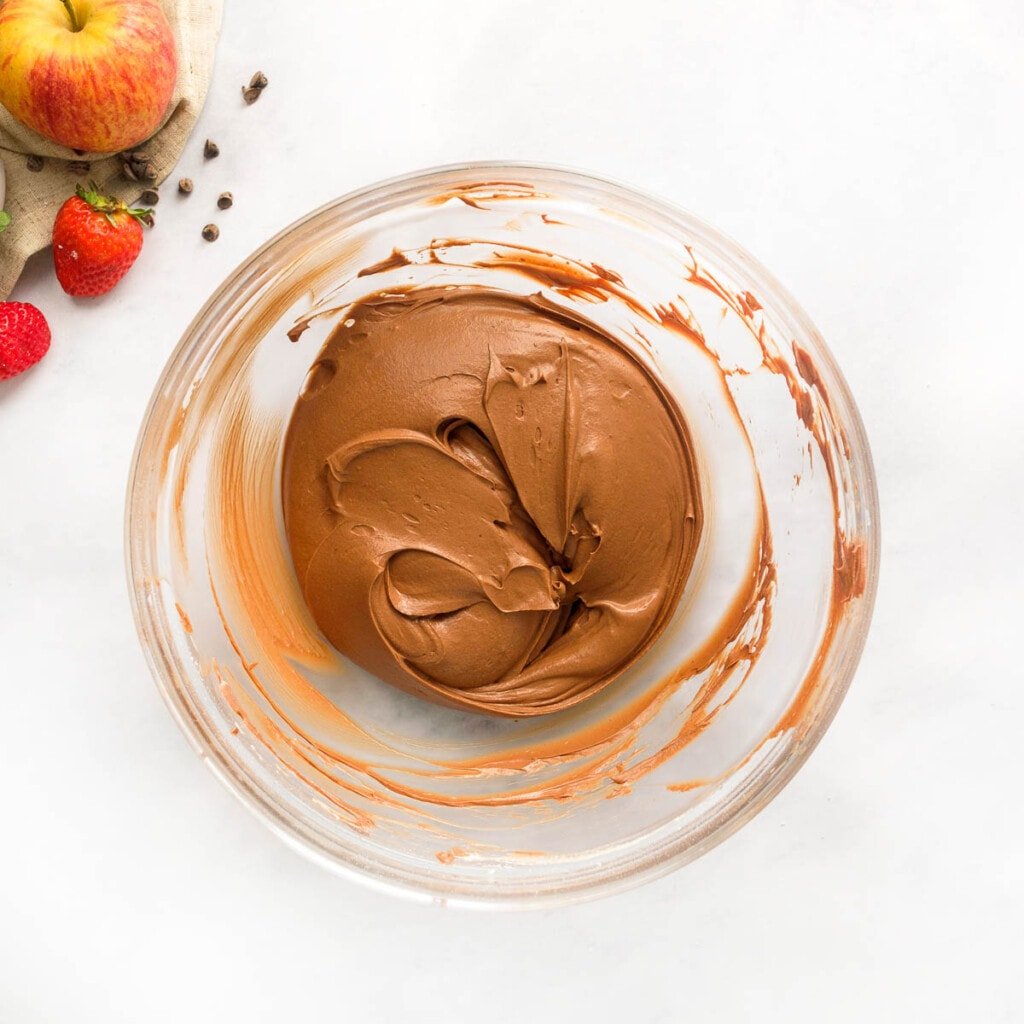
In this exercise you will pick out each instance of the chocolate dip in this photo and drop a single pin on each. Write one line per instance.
(488, 502)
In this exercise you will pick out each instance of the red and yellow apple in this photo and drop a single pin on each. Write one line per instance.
(94, 75)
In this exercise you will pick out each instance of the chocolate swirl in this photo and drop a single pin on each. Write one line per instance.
(488, 502)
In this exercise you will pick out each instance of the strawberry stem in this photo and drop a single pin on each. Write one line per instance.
(110, 207)
(72, 14)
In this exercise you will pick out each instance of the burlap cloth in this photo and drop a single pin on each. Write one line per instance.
(33, 198)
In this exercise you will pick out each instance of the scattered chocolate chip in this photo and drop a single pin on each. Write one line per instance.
(211, 232)
(252, 92)
(136, 166)
(211, 150)
(148, 218)
(35, 162)
(79, 166)
(185, 186)
(150, 197)
(225, 201)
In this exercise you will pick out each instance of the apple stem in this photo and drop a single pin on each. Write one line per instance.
(70, 7)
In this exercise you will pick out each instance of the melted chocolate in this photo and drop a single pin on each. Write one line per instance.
(488, 502)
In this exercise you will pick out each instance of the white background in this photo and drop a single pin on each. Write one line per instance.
(870, 153)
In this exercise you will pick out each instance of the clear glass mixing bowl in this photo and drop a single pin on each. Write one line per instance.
(682, 749)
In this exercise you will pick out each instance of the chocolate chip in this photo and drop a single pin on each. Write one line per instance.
(136, 166)
(211, 232)
(185, 186)
(35, 162)
(225, 201)
(211, 150)
(252, 92)
(150, 197)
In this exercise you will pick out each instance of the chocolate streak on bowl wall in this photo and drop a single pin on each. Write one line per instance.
(592, 758)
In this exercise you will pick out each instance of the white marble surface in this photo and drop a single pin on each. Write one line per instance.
(870, 152)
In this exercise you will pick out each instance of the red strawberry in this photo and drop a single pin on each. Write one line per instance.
(24, 337)
(96, 239)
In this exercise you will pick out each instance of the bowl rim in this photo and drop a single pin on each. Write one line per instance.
(670, 851)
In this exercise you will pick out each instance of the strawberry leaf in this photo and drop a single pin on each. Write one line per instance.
(110, 207)
(5, 220)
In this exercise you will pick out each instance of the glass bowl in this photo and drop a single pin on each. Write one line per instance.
(677, 753)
